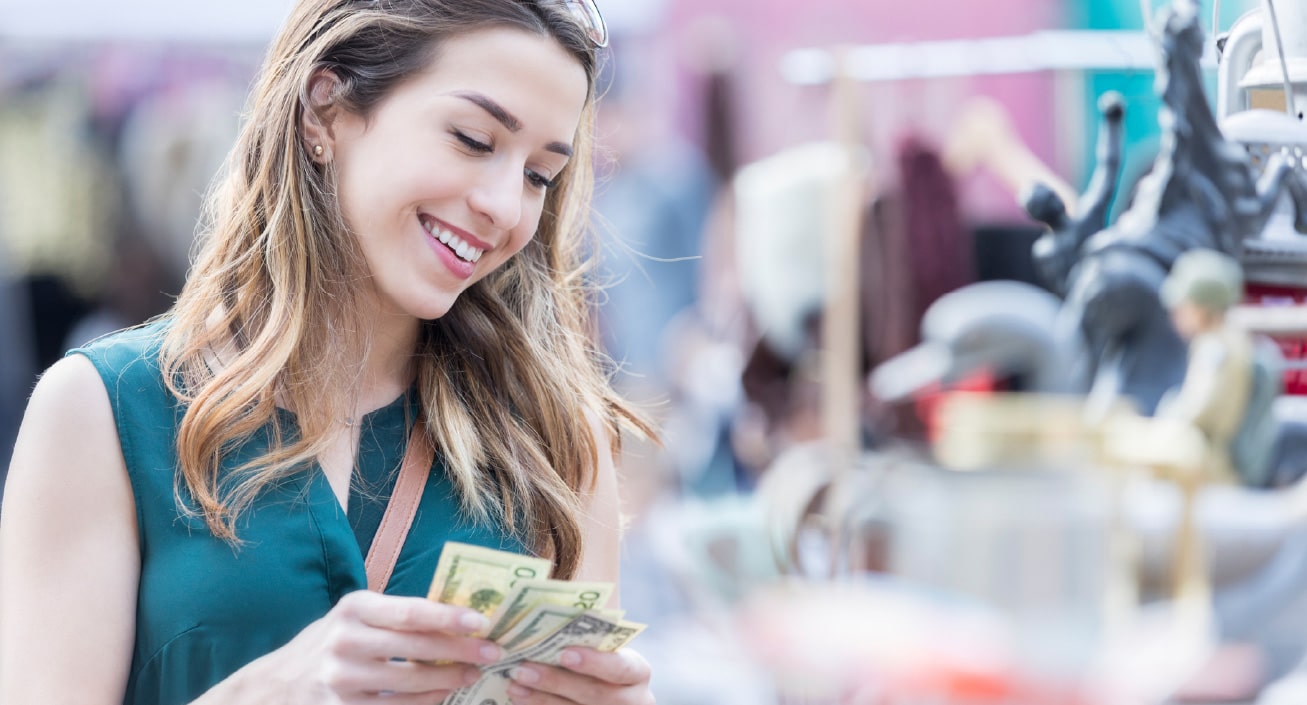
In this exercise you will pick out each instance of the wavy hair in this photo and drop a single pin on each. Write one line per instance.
(272, 297)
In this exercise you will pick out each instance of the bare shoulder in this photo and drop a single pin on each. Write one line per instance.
(69, 403)
(69, 561)
(67, 455)
(70, 383)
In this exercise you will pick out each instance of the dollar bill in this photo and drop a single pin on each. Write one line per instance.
(586, 629)
(479, 577)
(621, 636)
(542, 621)
(526, 594)
(589, 629)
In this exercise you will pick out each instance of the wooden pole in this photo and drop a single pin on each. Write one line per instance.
(841, 333)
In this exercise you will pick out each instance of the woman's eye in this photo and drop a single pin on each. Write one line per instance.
(540, 181)
(473, 144)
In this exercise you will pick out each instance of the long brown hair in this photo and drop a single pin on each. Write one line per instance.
(507, 378)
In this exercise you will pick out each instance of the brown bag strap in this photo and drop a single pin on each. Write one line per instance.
(401, 509)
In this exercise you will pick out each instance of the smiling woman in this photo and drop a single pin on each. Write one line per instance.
(392, 263)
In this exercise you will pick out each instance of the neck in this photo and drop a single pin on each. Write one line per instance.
(385, 371)
(387, 368)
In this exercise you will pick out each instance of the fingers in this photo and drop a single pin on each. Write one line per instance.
(400, 679)
(384, 645)
(400, 647)
(621, 667)
(410, 614)
(590, 677)
(434, 697)
(408, 628)
(521, 696)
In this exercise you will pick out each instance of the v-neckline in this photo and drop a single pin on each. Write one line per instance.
(316, 474)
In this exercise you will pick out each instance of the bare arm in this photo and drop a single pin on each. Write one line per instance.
(601, 524)
(69, 563)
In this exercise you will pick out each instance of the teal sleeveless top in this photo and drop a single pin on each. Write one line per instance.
(205, 608)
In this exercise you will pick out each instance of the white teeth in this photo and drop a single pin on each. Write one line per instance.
(455, 243)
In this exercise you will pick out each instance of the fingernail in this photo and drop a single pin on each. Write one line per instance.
(523, 674)
(474, 622)
(518, 691)
(570, 658)
(490, 652)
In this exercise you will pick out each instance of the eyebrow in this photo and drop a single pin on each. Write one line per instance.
(507, 119)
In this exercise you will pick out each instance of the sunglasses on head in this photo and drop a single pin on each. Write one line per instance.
(587, 15)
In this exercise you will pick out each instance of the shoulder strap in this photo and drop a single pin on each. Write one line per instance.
(401, 508)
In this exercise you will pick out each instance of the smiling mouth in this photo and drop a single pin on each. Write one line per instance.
(456, 244)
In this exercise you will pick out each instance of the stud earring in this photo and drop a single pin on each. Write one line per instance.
(317, 150)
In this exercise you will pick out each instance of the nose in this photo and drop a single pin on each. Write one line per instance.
(497, 196)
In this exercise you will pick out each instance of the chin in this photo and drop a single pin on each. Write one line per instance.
(431, 313)
(435, 307)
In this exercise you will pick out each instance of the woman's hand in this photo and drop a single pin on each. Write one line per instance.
(370, 648)
(586, 677)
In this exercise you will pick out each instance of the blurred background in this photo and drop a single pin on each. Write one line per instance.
(114, 117)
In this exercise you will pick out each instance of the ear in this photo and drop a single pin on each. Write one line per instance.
(318, 116)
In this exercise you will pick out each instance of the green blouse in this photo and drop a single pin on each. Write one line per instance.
(206, 608)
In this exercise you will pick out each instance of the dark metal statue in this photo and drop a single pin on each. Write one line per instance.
(1200, 192)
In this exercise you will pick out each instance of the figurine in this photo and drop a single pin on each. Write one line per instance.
(1223, 385)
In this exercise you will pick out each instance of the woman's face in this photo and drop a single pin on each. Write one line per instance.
(447, 178)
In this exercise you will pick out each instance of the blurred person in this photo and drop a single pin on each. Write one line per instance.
(168, 143)
(16, 369)
(652, 209)
(394, 248)
(60, 199)
(135, 290)
(701, 346)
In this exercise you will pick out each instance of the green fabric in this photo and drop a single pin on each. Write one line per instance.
(382, 439)
(205, 608)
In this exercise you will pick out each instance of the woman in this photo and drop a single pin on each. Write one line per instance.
(394, 245)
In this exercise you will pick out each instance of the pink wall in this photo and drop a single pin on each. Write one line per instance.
(773, 114)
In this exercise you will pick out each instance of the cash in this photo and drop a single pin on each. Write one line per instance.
(527, 594)
(544, 620)
(585, 629)
(479, 577)
(531, 616)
